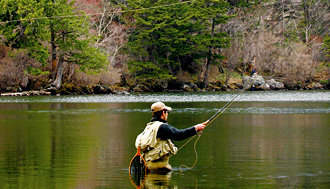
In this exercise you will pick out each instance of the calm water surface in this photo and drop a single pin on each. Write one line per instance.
(264, 140)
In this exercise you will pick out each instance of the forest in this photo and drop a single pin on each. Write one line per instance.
(120, 46)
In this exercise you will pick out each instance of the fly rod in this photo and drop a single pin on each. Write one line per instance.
(214, 117)
(219, 112)
(209, 121)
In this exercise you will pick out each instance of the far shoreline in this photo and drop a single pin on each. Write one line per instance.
(127, 92)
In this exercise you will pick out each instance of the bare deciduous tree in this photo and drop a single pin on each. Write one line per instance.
(110, 31)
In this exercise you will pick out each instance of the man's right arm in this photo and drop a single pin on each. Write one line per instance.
(166, 131)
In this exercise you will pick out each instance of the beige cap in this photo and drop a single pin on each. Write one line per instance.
(159, 106)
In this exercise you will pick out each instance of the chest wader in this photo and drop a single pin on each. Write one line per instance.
(156, 152)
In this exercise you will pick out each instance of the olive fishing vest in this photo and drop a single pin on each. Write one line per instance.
(154, 148)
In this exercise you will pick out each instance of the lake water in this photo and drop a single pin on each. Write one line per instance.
(264, 140)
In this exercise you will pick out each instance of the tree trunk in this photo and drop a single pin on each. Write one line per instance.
(206, 71)
(227, 76)
(53, 48)
(58, 81)
(306, 10)
(22, 30)
(209, 60)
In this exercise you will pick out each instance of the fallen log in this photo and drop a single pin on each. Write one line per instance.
(27, 93)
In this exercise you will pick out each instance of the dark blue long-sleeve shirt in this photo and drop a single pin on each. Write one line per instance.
(166, 131)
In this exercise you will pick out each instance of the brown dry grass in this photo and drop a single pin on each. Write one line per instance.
(13, 70)
(265, 42)
(107, 77)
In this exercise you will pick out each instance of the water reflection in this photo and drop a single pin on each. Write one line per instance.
(89, 145)
(154, 180)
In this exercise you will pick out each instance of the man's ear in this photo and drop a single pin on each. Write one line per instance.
(163, 114)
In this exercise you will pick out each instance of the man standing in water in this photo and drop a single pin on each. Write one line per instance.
(155, 140)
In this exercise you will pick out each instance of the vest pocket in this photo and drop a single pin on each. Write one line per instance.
(170, 147)
(153, 154)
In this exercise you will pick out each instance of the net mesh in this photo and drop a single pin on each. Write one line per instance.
(137, 170)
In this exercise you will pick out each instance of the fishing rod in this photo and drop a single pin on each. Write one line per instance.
(219, 112)
(209, 121)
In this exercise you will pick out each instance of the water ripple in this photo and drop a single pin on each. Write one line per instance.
(268, 96)
(249, 110)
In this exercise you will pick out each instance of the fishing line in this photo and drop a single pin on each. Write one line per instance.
(209, 121)
(196, 155)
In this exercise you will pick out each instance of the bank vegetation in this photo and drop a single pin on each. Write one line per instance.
(98, 46)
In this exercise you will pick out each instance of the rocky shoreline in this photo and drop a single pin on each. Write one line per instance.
(249, 83)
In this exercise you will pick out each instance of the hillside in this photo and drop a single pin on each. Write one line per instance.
(285, 40)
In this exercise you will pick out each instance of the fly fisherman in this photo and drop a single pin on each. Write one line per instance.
(155, 140)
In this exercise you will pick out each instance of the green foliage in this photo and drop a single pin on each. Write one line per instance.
(89, 59)
(36, 71)
(242, 3)
(73, 40)
(148, 70)
(291, 34)
(174, 37)
(324, 82)
(30, 23)
(27, 33)
(326, 45)
(233, 74)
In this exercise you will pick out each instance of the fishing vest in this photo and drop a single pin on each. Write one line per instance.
(154, 148)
